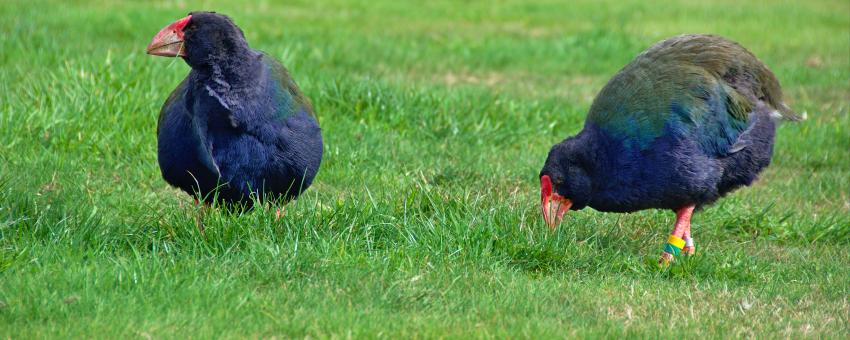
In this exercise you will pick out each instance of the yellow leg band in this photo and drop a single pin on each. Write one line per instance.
(676, 242)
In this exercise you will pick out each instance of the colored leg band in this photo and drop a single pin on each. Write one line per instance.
(676, 242)
(674, 245)
(670, 249)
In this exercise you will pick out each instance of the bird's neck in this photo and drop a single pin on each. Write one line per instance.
(594, 158)
(230, 72)
(228, 81)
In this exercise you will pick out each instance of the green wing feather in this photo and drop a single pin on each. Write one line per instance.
(291, 98)
(699, 84)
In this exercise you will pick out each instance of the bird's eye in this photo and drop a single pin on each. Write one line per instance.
(559, 181)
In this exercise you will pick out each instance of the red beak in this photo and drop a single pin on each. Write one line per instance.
(554, 205)
(169, 41)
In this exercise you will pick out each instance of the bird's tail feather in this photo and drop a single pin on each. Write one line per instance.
(785, 113)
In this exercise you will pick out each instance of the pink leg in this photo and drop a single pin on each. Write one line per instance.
(689, 248)
(278, 214)
(676, 242)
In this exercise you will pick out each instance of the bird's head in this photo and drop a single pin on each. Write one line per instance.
(200, 38)
(564, 181)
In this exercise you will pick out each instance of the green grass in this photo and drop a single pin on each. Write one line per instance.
(423, 221)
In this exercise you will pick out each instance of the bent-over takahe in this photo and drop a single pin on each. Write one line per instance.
(237, 127)
(687, 121)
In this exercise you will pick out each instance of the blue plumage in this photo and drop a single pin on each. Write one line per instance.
(686, 122)
(237, 127)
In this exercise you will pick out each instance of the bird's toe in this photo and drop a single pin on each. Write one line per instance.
(666, 259)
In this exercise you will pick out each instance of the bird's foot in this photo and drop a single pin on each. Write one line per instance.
(666, 259)
(278, 214)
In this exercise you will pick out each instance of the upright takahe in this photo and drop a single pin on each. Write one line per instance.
(686, 122)
(238, 127)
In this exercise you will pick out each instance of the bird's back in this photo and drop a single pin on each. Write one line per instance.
(699, 85)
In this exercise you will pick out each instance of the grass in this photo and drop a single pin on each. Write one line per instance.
(423, 221)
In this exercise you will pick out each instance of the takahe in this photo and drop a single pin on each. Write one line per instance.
(687, 121)
(237, 128)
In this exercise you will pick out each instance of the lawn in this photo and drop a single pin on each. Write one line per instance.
(424, 219)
